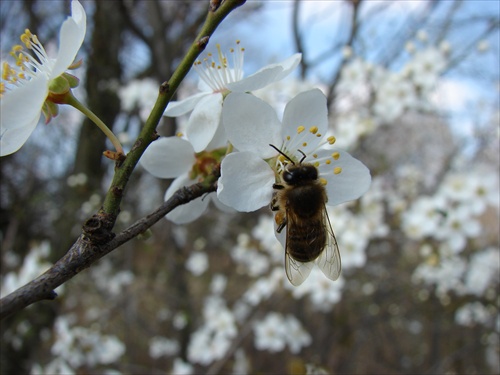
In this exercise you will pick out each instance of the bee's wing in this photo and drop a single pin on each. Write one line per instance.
(296, 271)
(329, 259)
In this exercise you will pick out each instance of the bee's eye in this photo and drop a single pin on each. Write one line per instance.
(288, 176)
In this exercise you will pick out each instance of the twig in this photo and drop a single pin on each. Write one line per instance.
(83, 253)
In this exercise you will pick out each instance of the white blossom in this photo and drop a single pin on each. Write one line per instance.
(26, 85)
(217, 78)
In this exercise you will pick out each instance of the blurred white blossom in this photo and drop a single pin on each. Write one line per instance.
(197, 263)
(162, 346)
(275, 331)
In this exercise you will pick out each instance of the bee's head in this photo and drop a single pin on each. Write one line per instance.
(300, 174)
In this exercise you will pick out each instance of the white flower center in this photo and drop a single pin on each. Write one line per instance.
(26, 66)
(216, 72)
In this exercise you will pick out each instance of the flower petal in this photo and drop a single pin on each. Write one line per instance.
(12, 140)
(219, 140)
(71, 38)
(187, 212)
(181, 107)
(221, 206)
(204, 121)
(257, 80)
(20, 109)
(306, 109)
(288, 65)
(352, 182)
(168, 157)
(251, 124)
(246, 182)
(267, 75)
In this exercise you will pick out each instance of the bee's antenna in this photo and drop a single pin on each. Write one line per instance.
(303, 156)
(285, 155)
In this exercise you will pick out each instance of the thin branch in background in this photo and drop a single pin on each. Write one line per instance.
(84, 253)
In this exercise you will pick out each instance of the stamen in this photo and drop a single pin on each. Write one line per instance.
(337, 170)
(323, 181)
(331, 139)
(336, 155)
(216, 71)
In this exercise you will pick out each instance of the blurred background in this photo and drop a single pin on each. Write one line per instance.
(413, 92)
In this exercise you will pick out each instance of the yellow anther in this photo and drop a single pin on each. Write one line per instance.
(281, 158)
(315, 155)
(336, 155)
(179, 134)
(328, 161)
(316, 164)
(331, 140)
(288, 137)
(6, 69)
(300, 129)
(313, 129)
(304, 144)
(319, 135)
(2, 88)
(237, 41)
(26, 40)
(337, 170)
(231, 50)
(242, 49)
(323, 181)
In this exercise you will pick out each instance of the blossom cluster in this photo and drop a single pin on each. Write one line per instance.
(395, 92)
(452, 217)
(76, 346)
(231, 129)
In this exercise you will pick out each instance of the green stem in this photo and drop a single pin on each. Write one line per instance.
(74, 102)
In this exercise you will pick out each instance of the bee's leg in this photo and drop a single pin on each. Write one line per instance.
(278, 186)
(274, 204)
(281, 221)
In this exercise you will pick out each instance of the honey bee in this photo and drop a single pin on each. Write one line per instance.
(300, 204)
